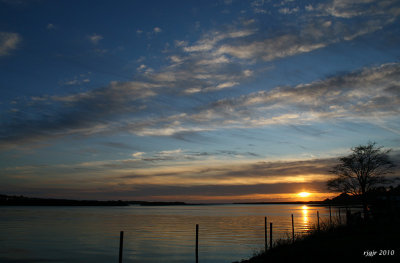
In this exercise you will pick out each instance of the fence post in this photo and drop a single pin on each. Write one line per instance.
(121, 244)
(318, 221)
(292, 229)
(197, 243)
(265, 233)
(330, 215)
(348, 217)
(270, 235)
(340, 218)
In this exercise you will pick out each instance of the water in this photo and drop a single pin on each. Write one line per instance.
(151, 234)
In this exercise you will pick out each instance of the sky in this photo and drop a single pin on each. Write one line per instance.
(196, 101)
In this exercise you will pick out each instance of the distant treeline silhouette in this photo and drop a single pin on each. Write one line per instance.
(32, 201)
(22, 200)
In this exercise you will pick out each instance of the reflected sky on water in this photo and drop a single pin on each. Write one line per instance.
(151, 234)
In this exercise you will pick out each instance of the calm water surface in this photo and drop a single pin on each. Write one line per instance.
(151, 234)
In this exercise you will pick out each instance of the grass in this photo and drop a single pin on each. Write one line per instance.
(339, 243)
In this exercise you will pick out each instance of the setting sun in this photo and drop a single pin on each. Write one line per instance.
(303, 194)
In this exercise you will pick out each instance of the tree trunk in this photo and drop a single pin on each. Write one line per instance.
(365, 206)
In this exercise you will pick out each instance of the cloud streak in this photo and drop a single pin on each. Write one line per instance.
(364, 95)
(95, 38)
(216, 181)
(8, 42)
(222, 60)
(326, 24)
(82, 114)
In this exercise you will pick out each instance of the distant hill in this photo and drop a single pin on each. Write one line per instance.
(374, 196)
(343, 198)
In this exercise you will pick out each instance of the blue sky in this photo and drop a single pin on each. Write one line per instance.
(192, 100)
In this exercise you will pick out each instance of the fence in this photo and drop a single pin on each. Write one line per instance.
(349, 218)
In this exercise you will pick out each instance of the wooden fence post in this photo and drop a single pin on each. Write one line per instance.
(292, 229)
(318, 221)
(330, 215)
(348, 217)
(265, 233)
(340, 218)
(270, 235)
(197, 243)
(121, 244)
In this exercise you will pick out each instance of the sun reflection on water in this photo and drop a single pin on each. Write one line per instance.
(304, 210)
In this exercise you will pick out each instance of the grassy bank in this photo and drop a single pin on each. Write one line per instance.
(375, 241)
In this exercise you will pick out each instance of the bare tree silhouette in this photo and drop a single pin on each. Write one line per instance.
(360, 171)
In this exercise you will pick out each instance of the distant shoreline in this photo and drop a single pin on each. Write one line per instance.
(8, 200)
(280, 203)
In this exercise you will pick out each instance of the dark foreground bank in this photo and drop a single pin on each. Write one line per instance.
(375, 241)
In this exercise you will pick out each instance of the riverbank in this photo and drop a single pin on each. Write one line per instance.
(375, 241)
